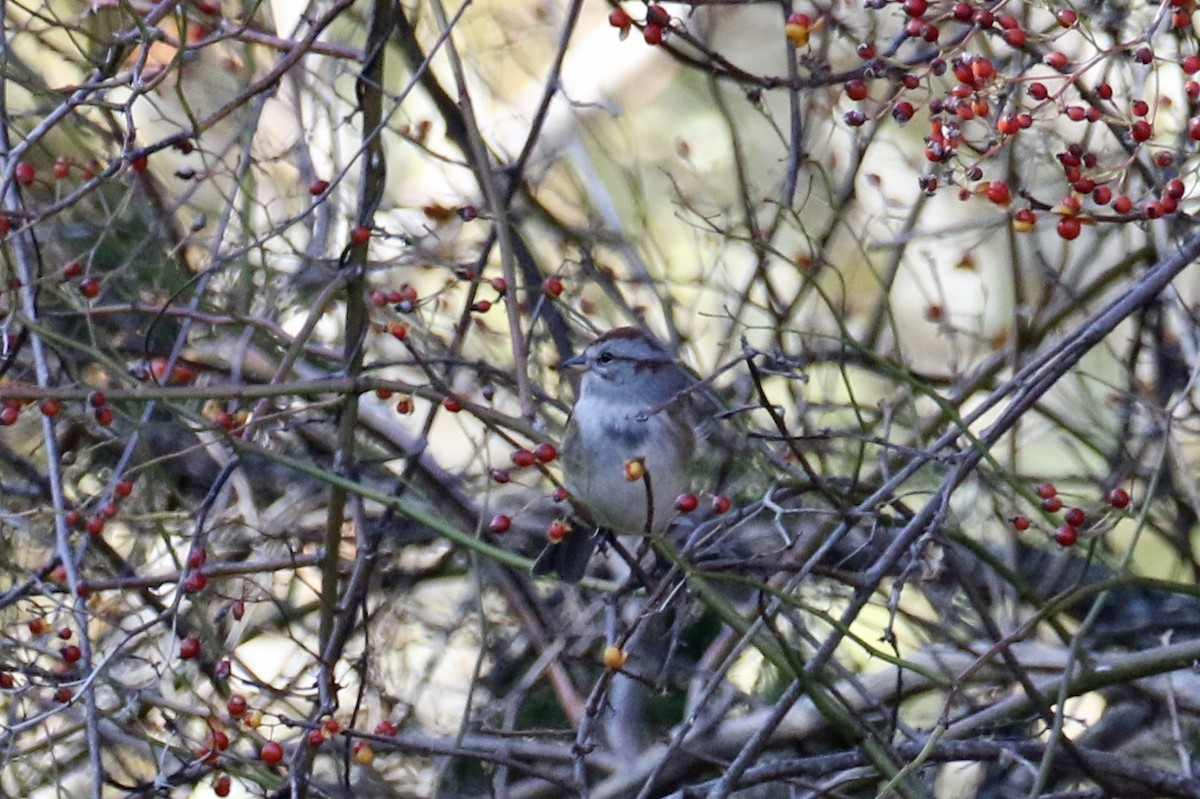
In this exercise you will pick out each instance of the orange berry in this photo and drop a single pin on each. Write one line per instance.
(614, 657)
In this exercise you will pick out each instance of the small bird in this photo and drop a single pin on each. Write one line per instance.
(634, 403)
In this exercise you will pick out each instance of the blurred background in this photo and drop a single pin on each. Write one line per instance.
(286, 287)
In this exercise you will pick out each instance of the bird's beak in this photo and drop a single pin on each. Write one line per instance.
(578, 362)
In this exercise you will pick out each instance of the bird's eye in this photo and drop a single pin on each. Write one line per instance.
(605, 357)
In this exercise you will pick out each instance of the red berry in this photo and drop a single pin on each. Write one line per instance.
(451, 403)
(385, 727)
(1052, 504)
(997, 192)
(6, 680)
(856, 89)
(97, 399)
(652, 34)
(1067, 17)
(194, 581)
(1174, 188)
(686, 503)
(197, 557)
(65, 633)
(271, 753)
(500, 476)
(1118, 498)
(523, 457)
(500, 285)
(557, 531)
(221, 785)
(1144, 55)
(916, 8)
(619, 18)
(1122, 205)
(963, 12)
(90, 288)
(545, 452)
(360, 235)
(9, 415)
(139, 163)
(25, 173)
(399, 330)
(71, 653)
(902, 111)
(95, 525)
(720, 504)
(481, 306)
(318, 187)
(500, 523)
(1056, 59)
(236, 705)
(1015, 37)
(1191, 64)
(1066, 536)
(560, 494)
(657, 15)
(1075, 517)
(1020, 523)
(72, 270)
(553, 286)
(123, 488)
(1038, 91)
(238, 609)
(50, 407)
(1102, 195)
(62, 694)
(1069, 227)
(315, 737)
